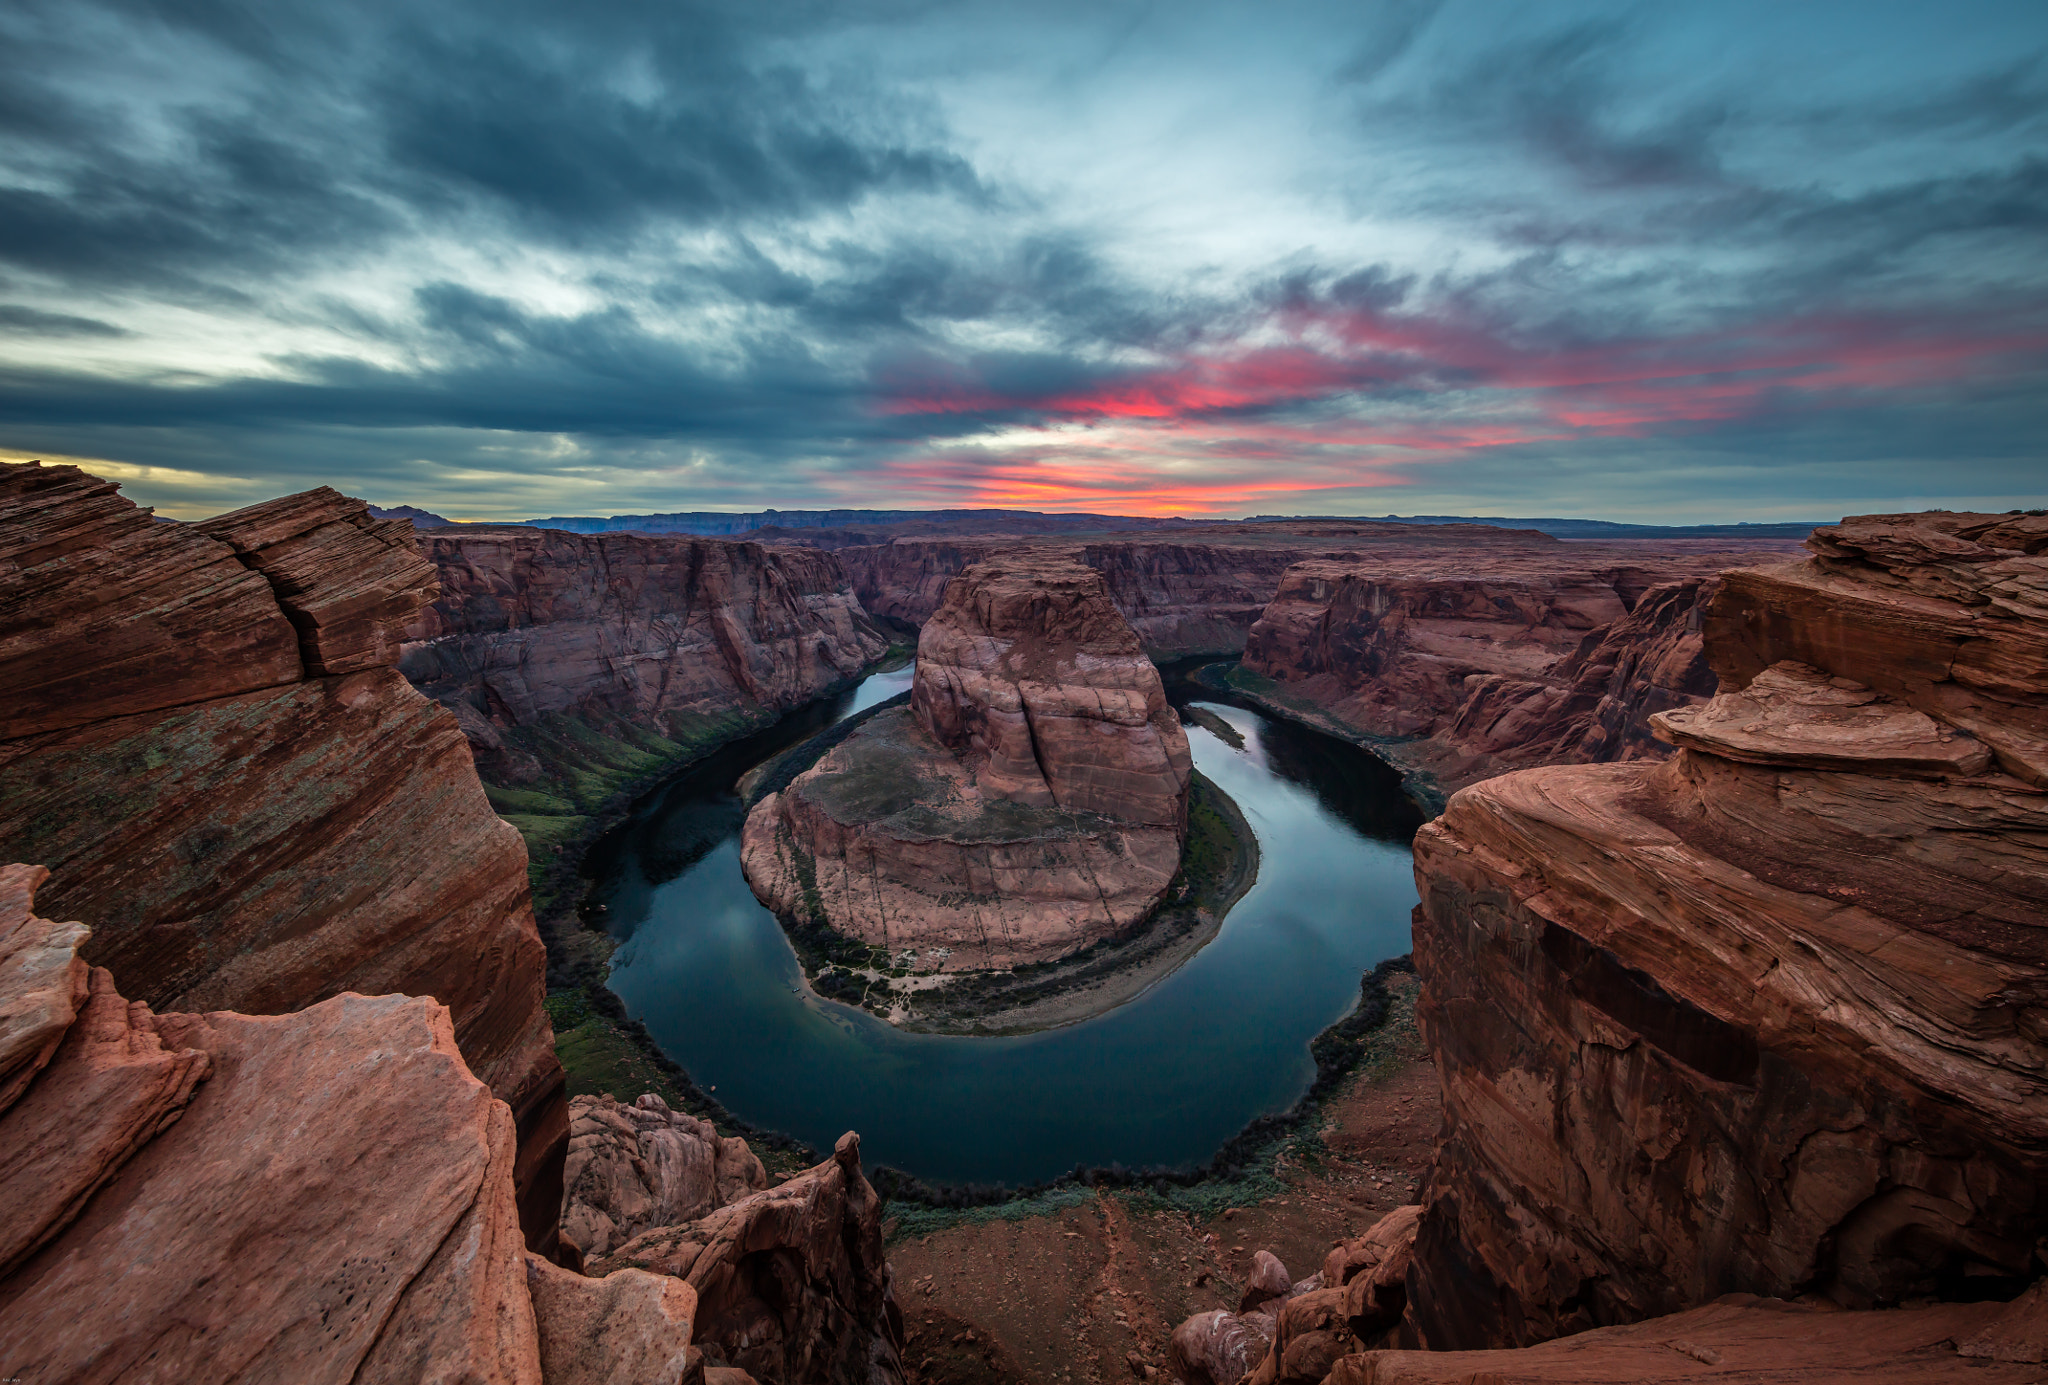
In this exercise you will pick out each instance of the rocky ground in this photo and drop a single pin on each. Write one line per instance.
(1087, 1285)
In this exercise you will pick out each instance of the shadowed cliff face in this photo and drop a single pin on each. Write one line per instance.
(205, 742)
(1030, 800)
(1498, 660)
(1771, 1017)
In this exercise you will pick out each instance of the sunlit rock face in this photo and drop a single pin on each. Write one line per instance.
(1770, 1017)
(204, 739)
(1031, 799)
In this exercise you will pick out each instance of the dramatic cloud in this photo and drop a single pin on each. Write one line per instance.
(1683, 261)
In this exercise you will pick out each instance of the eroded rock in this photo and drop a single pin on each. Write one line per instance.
(1031, 800)
(634, 1167)
(630, 1326)
(1772, 1017)
(791, 1282)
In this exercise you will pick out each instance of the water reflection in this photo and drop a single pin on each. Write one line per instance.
(1164, 1079)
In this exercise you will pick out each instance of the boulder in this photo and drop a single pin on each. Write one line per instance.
(1217, 1347)
(634, 1167)
(258, 1237)
(43, 981)
(630, 1326)
(791, 1282)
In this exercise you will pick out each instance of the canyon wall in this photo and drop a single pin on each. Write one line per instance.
(1197, 593)
(539, 635)
(204, 740)
(1493, 660)
(1770, 1017)
(1030, 800)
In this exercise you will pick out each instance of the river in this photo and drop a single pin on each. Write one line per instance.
(1164, 1080)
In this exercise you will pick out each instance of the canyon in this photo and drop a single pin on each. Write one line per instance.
(1030, 799)
(576, 663)
(1731, 995)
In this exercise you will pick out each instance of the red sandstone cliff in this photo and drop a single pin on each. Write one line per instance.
(689, 638)
(204, 740)
(1494, 660)
(1031, 800)
(1772, 1017)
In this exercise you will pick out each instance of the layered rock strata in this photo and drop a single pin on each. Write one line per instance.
(689, 639)
(1495, 660)
(1772, 1017)
(1030, 800)
(791, 1283)
(204, 740)
(1197, 593)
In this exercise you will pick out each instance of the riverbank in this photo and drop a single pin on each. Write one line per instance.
(1407, 756)
(1071, 1286)
(1219, 864)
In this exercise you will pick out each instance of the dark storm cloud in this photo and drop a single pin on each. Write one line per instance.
(772, 244)
(16, 320)
(317, 137)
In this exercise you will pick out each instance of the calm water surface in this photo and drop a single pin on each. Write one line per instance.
(1163, 1080)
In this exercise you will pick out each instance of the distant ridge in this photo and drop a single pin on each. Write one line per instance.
(716, 522)
(725, 523)
(1597, 528)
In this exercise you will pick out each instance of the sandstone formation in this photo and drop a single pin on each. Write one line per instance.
(1031, 799)
(1499, 659)
(690, 639)
(204, 741)
(634, 1167)
(1772, 1017)
(328, 1196)
(244, 1170)
(791, 1283)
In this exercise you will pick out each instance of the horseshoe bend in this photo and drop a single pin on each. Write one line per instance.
(517, 954)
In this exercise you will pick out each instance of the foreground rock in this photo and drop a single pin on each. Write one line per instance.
(634, 1167)
(1495, 659)
(1771, 1018)
(205, 742)
(538, 633)
(321, 1196)
(1031, 800)
(1740, 1340)
(791, 1283)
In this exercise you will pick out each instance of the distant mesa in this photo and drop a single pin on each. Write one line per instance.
(1030, 800)
(421, 519)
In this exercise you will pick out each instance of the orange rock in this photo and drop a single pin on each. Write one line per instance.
(791, 1282)
(111, 1088)
(1772, 1017)
(43, 981)
(640, 1166)
(243, 835)
(1032, 799)
(1740, 1341)
(628, 1326)
(336, 1204)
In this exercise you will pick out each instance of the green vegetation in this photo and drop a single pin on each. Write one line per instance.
(1367, 1045)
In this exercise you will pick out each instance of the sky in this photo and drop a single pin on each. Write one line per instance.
(1672, 262)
